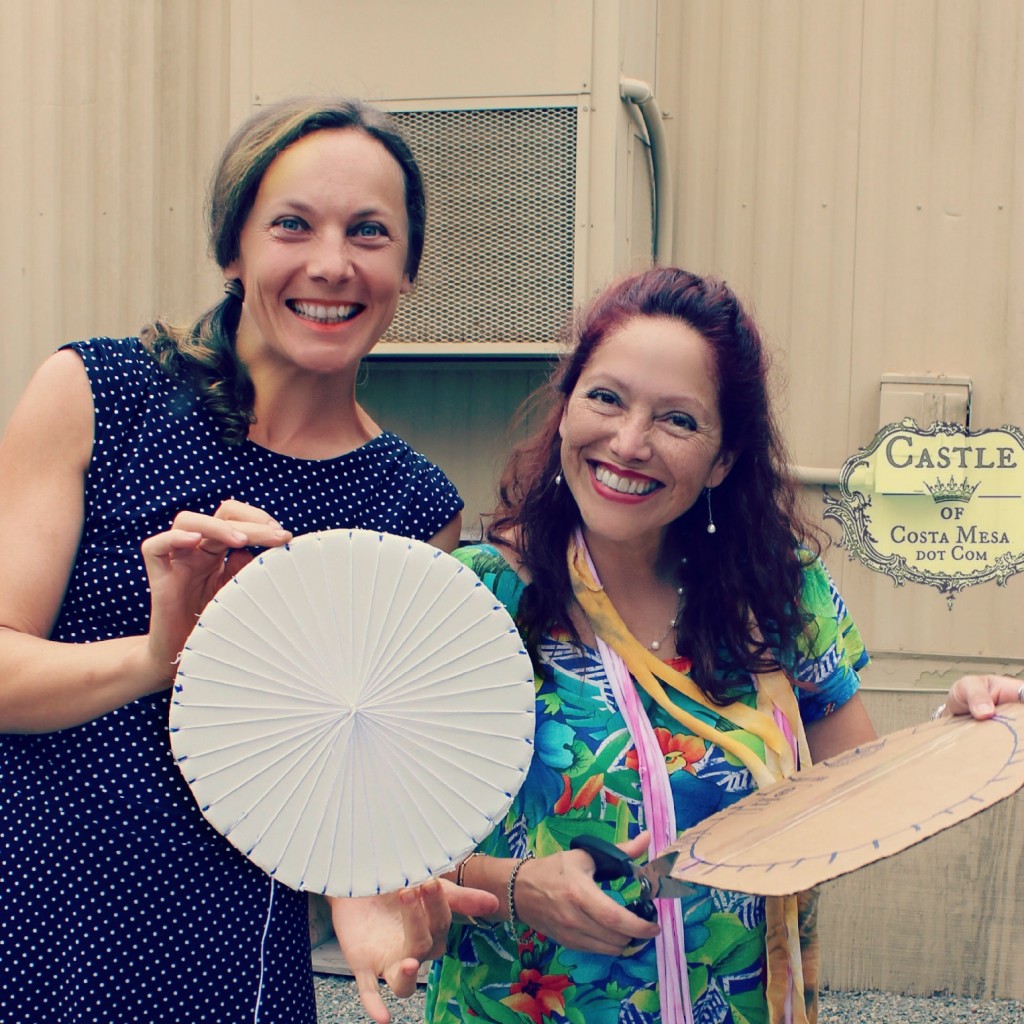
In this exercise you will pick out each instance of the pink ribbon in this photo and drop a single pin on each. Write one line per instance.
(660, 818)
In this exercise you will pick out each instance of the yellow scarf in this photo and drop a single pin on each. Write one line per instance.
(791, 939)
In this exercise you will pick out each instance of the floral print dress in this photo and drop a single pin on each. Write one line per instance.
(584, 779)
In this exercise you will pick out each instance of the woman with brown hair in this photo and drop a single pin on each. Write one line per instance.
(137, 476)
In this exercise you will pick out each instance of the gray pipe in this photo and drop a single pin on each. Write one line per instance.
(635, 91)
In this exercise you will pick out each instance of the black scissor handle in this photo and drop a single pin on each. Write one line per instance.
(643, 908)
(610, 863)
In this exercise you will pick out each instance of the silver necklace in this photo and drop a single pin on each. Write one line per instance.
(655, 645)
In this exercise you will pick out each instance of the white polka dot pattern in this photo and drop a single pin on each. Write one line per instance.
(118, 902)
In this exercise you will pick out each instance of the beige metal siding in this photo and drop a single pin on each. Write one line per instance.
(946, 915)
(854, 168)
(764, 107)
(937, 248)
(112, 114)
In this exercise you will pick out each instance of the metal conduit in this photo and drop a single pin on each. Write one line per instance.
(635, 91)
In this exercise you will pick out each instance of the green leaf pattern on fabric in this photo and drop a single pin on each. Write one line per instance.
(584, 779)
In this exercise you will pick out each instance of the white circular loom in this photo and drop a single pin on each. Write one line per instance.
(354, 712)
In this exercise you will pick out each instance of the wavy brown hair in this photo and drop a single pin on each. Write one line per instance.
(205, 350)
(743, 584)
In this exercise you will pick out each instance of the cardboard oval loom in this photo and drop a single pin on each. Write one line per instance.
(354, 712)
(856, 808)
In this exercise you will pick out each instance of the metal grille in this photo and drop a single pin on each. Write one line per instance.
(501, 206)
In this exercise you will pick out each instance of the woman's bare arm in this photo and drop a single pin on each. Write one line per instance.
(447, 538)
(44, 456)
(844, 729)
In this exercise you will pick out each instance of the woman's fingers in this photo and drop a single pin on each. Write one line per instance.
(161, 545)
(467, 901)
(234, 525)
(618, 927)
(188, 563)
(368, 986)
(230, 528)
(978, 695)
(637, 846)
(426, 917)
(558, 897)
(243, 513)
(262, 529)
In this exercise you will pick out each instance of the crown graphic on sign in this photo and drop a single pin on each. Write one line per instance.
(951, 490)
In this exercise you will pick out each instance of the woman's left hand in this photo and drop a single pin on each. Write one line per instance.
(389, 936)
(978, 695)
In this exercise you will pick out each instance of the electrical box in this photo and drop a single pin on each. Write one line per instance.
(925, 397)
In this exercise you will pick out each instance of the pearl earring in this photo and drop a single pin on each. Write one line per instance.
(711, 521)
(558, 479)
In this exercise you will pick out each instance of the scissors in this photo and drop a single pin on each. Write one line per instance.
(656, 881)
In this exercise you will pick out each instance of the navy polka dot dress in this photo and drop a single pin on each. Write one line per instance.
(118, 902)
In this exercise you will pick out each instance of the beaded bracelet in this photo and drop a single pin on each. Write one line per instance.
(460, 871)
(512, 886)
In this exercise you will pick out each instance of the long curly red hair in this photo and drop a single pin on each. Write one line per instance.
(743, 584)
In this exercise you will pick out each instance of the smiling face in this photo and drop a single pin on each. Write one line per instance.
(641, 432)
(322, 255)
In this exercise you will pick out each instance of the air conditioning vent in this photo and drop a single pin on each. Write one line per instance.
(501, 220)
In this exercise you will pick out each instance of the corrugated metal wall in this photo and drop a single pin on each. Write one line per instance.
(946, 915)
(112, 113)
(855, 169)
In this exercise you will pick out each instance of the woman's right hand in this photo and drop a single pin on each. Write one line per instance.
(190, 562)
(45, 455)
(557, 896)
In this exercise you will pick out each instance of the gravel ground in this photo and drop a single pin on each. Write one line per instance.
(338, 1003)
